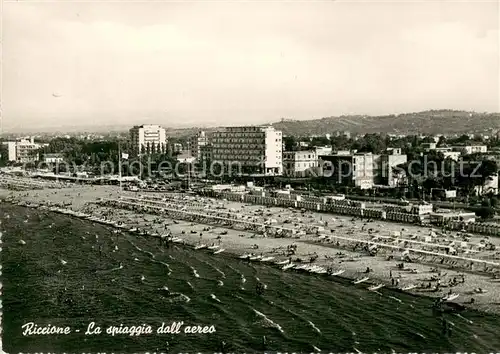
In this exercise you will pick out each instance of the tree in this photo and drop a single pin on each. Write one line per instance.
(290, 143)
(485, 212)
(374, 143)
(441, 141)
(4, 154)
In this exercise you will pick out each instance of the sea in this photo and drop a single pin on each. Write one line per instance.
(73, 273)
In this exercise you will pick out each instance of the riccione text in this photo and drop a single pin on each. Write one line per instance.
(31, 329)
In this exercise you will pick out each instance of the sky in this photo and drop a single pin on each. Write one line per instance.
(209, 63)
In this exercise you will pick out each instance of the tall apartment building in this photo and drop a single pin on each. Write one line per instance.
(252, 149)
(147, 135)
(196, 142)
(23, 150)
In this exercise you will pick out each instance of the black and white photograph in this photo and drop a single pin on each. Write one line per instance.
(264, 176)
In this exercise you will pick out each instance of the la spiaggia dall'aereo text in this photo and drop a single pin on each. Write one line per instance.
(31, 328)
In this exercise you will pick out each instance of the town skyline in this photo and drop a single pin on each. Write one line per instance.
(214, 64)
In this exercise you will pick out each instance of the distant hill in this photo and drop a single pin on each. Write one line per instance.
(428, 122)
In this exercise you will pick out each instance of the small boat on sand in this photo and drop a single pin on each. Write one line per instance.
(177, 240)
(245, 256)
(199, 247)
(450, 297)
(282, 262)
(302, 267)
(267, 259)
(288, 266)
(219, 251)
(409, 287)
(213, 247)
(359, 281)
(255, 258)
(318, 270)
(376, 287)
(338, 272)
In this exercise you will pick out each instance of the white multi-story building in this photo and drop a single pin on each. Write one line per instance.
(354, 169)
(298, 163)
(53, 158)
(250, 149)
(23, 150)
(323, 150)
(385, 165)
(147, 135)
(475, 149)
(196, 142)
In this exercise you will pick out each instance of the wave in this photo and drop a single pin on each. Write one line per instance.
(314, 326)
(173, 296)
(214, 297)
(220, 272)
(195, 272)
(165, 264)
(268, 321)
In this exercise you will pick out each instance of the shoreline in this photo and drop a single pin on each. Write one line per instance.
(233, 253)
(236, 242)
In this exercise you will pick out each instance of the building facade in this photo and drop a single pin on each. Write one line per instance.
(299, 163)
(206, 156)
(351, 170)
(177, 148)
(323, 150)
(196, 143)
(53, 158)
(23, 150)
(249, 149)
(475, 149)
(147, 138)
(385, 165)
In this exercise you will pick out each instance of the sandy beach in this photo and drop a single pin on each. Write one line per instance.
(470, 281)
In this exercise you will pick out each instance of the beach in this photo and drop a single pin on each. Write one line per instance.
(469, 283)
(70, 272)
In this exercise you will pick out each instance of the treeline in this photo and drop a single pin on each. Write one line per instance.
(378, 143)
(431, 171)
